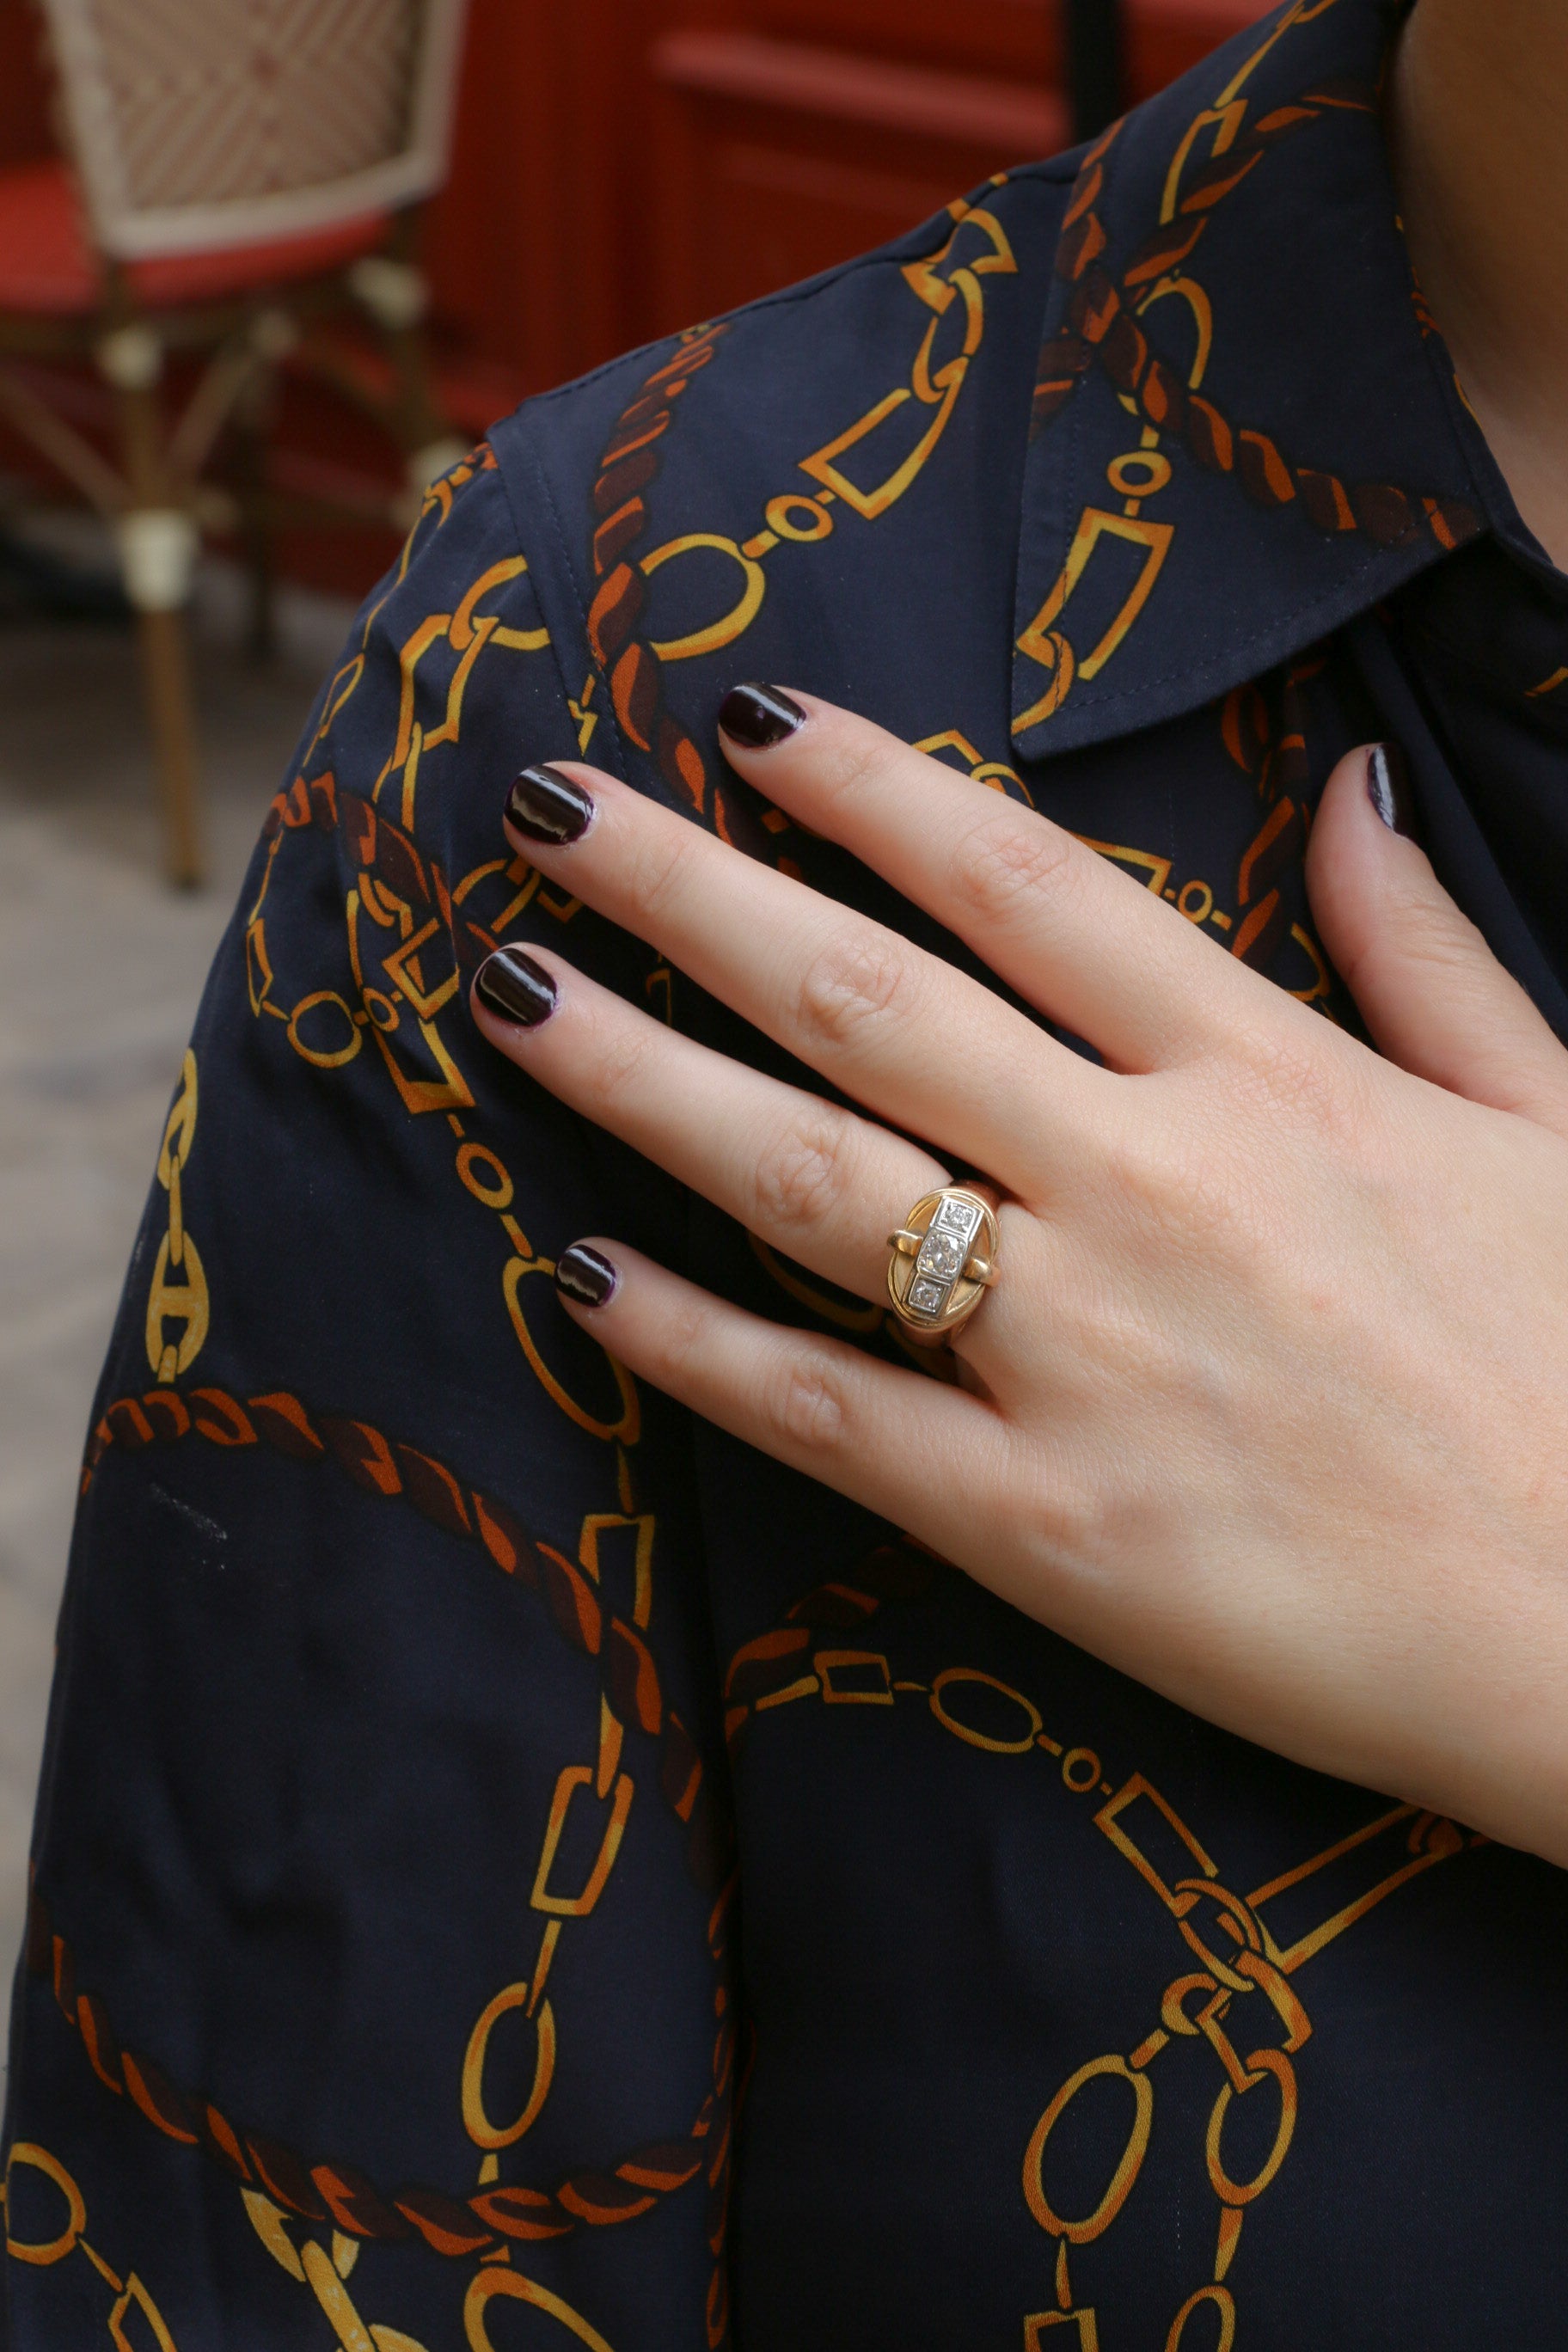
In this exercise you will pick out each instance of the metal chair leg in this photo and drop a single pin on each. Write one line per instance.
(394, 290)
(250, 434)
(261, 581)
(166, 675)
(157, 555)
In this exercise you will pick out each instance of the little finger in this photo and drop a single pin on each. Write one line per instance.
(931, 1458)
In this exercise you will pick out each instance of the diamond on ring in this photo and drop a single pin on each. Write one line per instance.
(940, 1261)
(941, 1257)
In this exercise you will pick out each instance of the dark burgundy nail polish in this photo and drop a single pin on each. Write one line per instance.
(759, 715)
(1388, 788)
(548, 806)
(521, 991)
(584, 1274)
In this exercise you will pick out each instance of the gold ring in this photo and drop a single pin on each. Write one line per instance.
(941, 1261)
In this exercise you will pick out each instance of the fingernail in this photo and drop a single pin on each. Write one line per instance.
(513, 985)
(1388, 787)
(759, 715)
(584, 1274)
(548, 806)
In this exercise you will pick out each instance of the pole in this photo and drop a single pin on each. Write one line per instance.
(1093, 64)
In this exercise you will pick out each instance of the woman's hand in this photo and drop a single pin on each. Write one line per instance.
(1268, 1404)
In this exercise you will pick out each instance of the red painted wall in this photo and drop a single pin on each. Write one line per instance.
(623, 167)
(620, 163)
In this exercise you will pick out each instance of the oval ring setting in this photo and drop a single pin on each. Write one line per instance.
(941, 1262)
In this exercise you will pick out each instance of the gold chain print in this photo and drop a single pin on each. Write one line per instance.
(1259, 925)
(325, 2269)
(404, 923)
(1234, 1983)
(177, 1295)
(410, 932)
(409, 927)
(30, 2162)
(601, 1604)
(1104, 330)
(1239, 1999)
(865, 467)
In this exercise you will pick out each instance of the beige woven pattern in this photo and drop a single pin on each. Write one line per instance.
(219, 101)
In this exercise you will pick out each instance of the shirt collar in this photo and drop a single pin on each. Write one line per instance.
(1246, 427)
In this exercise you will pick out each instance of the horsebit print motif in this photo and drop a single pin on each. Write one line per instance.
(502, 1844)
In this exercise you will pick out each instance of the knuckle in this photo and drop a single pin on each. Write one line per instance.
(659, 866)
(615, 1062)
(803, 1178)
(1433, 935)
(851, 983)
(848, 757)
(1181, 1188)
(806, 1404)
(1295, 1077)
(1008, 859)
(1068, 1506)
(683, 1330)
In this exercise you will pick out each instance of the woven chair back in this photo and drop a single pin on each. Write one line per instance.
(200, 125)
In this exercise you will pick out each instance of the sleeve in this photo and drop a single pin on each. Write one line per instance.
(378, 1968)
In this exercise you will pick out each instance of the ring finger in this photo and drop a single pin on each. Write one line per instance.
(803, 1175)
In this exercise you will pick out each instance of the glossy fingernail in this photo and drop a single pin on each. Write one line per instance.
(587, 1276)
(548, 806)
(759, 715)
(1388, 787)
(513, 986)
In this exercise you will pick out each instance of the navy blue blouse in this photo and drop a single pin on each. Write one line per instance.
(501, 1841)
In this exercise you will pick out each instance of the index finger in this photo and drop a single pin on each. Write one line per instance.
(1073, 934)
(901, 1030)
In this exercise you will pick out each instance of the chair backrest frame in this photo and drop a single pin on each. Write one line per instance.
(129, 228)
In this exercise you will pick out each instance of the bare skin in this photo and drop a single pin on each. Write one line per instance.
(1477, 101)
(1300, 1471)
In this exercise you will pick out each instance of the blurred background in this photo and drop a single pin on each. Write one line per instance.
(266, 267)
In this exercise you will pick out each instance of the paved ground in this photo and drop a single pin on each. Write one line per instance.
(100, 966)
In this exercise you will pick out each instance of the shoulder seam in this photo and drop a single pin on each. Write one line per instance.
(1058, 169)
(1050, 170)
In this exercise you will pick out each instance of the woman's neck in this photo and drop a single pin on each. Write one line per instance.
(1479, 105)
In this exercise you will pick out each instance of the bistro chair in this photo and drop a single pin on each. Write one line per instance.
(240, 190)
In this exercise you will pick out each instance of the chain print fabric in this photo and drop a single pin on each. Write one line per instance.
(502, 1844)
